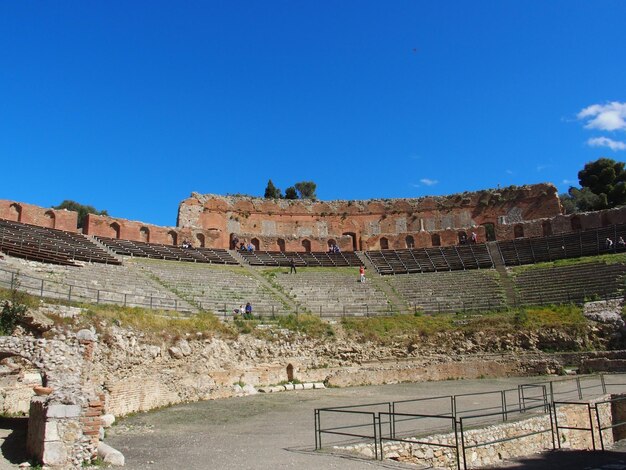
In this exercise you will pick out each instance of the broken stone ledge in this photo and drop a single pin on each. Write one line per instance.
(290, 386)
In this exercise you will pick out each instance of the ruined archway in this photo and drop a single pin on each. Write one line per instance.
(49, 219)
(490, 231)
(306, 244)
(518, 231)
(281, 244)
(435, 239)
(289, 373)
(15, 212)
(353, 236)
(115, 230)
(256, 244)
(575, 223)
(462, 236)
(410, 241)
(201, 240)
(384, 243)
(144, 234)
(172, 237)
(546, 228)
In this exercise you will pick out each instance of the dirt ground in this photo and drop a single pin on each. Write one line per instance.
(277, 431)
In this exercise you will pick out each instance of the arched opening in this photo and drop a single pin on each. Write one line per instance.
(234, 241)
(490, 232)
(410, 241)
(172, 237)
(15, 212)
(518, 231)
(289, 373)
(332, 244)
(353, 236)
(604, 219)
(201, 239)
(546, 228)
(281, 244)
(115, 230)
(256, 244)
(144, 234)
(575, 223)
(384, 243)
(435, 239)
(462, 238)
(49, 219)
(306, 244)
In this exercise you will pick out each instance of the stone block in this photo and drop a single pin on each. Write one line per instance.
(52, 431)
(298, 386)
(54, 453)
(308, 386)
(317, 385)
(107, 420)
(289, 387)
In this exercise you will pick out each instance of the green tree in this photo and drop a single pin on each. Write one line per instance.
(271, 191)
(306, 189)
(291, 193)
(582, 200)
(607, 179)
(82, 210)
(13, 311)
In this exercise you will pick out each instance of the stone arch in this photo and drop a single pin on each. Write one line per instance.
(256, 244)
(575, 223)
(172, 237)
(546, 228)
(462, 236)
(435, 239)
(331, 242)
(49, 219)
(306, 244)
(410, 241)
(605, 220)
(115, 230)
(518, 231)
(490, 231)
(384, 243)
(144, 234)
(15, 212)
(353, 236)
(290, 373)
(281, 244)
(201, 239)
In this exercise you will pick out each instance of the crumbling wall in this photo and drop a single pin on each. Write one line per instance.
(35, 215)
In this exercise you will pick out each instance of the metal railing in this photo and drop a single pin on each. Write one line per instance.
(408, 420)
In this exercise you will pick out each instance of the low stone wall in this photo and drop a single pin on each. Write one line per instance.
(495, 443)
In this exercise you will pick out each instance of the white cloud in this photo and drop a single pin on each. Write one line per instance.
(606, 117)
(428, 181)
(606, 142)
(542, 167)
(570, 182)
(509, 172)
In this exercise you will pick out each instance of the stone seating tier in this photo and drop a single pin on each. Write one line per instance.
(49, 245)
(575, 283)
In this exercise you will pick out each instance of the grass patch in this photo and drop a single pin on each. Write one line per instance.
(387, 330)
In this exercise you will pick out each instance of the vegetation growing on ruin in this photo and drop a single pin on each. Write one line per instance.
(387, 330)
(82, 210)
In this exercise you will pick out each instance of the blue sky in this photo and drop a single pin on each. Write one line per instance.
(131, 106)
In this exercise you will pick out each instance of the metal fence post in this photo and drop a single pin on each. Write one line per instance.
(125, 299)
(98, 296)
(69, 294)
(41, 292)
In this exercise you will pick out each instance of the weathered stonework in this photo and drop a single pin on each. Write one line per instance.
(42, 217)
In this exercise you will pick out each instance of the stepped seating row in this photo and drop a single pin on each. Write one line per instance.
(424, 260)
(568, 245)
(333, 293)
(49, 245)
(574, 283)
(316, 258)
(448, 292)
(93, 283)
(219, 289)
(167, 252)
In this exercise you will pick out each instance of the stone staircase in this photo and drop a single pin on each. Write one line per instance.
(505, 280)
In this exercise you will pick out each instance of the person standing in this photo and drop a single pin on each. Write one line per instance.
(248, 314)
(362, 273)
(292, 266)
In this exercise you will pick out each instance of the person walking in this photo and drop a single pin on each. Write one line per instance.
(362, 273)
(292, 266)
